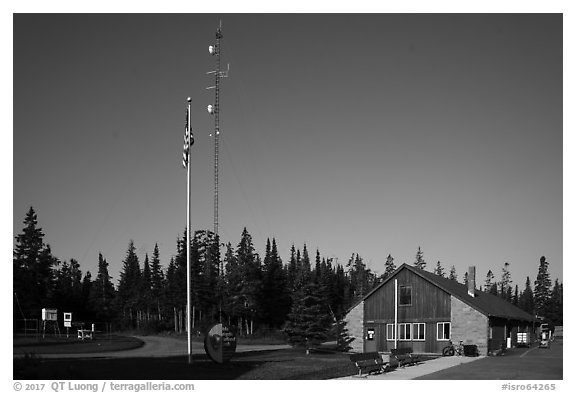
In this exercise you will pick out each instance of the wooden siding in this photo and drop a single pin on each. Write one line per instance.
(429, 305)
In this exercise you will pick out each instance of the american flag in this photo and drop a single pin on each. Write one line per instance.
(188, 140)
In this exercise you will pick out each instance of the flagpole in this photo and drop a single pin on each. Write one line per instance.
(188, 289)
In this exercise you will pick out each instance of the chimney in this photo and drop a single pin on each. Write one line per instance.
(471, 280)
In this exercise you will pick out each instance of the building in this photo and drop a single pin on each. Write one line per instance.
(427, 311)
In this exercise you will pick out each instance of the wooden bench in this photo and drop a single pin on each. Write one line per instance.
(405, 356)
(369, 362)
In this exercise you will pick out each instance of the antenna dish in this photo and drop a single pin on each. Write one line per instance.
(211, 49)
(210, 109)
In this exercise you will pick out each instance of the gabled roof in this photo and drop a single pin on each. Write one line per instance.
(486, 303)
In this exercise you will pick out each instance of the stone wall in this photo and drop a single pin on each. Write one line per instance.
(468, 325)
(355, 325)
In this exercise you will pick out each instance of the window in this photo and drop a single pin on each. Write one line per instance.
(419, 331)
(390, 332)
(443, 331)
(405, 296)
(404, 331)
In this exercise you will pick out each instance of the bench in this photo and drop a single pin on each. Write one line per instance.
(405, 356)
(369, 362)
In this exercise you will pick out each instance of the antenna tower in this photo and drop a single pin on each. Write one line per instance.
(215, 50)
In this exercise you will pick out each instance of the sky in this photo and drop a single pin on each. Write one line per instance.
(373, 134)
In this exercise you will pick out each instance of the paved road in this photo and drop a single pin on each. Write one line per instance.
(517, 364)
(156, 346)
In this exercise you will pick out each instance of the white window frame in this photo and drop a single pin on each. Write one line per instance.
(403, 329)
(388, 331)
(438, 338)
(421, 328)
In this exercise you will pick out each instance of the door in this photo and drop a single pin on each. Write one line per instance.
(370, 343)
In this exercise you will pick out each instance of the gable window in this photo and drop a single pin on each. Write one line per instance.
(404, 331)
(405, 298)
(390, 332)
(443, 331)
(419, 331)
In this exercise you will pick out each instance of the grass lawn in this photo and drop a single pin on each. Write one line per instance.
(281, 364)
(63, 345)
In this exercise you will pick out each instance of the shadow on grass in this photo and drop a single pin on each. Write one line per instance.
(282, 364)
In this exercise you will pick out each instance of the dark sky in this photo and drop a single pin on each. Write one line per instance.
(367, 133)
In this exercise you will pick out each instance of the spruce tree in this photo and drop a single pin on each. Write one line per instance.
(102, 292)
(249, 263)
(85, 310)
(419, 262)
(146, 300)
(309, 318)
(275, 302)
(439, 270)
(452, 275)
(505, 288)
(156, 282)
(234, 304)
(33, 263)
(488, 283)
(390, 267)
(542, 288)
(129, 286)
(526, 299)
(292, 268)
(555, 311)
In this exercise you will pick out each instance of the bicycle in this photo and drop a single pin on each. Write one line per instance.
(451, 349)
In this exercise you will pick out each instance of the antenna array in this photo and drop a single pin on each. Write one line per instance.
(215, 50)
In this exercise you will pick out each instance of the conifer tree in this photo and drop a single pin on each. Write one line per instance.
(249, 264)
(33, 263)
(452, 275)
(488, 283)
(292, 268)
(390, 267)
(419, 261)
(439, 270)
(542, 287)
(102, 292)
(309, 319)
(156, 274)
(129, 285)
(275, 298)
(555, 311)
(234, 305)
(156, 282)
(526, 299)
(515, 298)
(85, 310)
(146, 300)
(505, 289)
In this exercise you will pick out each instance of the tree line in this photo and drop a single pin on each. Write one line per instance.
(304, 297)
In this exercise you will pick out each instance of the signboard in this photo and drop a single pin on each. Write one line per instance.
(220, 343)
(49, 314)
(67, 319)
(370, 334)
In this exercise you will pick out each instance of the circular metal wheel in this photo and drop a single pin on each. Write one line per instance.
(448, 351)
